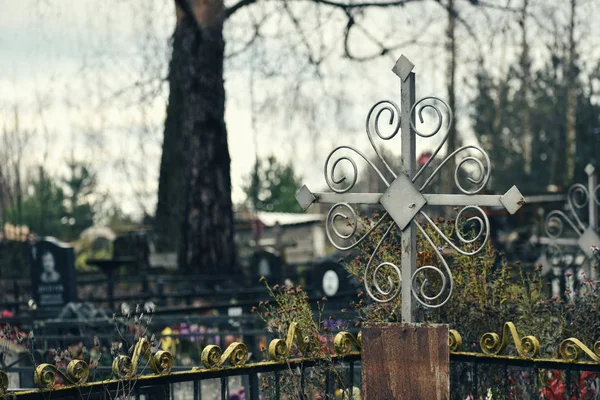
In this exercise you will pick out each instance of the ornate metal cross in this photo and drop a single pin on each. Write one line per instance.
(403, 200)
(583, 236)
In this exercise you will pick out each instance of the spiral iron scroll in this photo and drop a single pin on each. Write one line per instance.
(572, 349)
(557, 221)
(213, 357)
(383, 281)
(125, 367)
(44, 376)
(280, 349)
(454, 340)
(527, 347)
(345, 341)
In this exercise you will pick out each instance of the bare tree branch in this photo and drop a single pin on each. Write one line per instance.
(383, 49)
(366, 4)
(236, 7)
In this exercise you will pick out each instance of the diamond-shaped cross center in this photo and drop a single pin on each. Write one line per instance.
(402, 201)
(588, 239)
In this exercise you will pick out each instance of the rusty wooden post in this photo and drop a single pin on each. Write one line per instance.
(405, 361)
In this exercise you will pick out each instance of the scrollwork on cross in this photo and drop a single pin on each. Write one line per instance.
(568, 228)
(404, 200)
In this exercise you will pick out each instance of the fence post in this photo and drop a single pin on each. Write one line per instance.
(405, 361)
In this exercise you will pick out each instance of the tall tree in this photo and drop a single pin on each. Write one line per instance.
(194, 204)
(194, 207)
(525, 71)
(571, 96)
(549, 86)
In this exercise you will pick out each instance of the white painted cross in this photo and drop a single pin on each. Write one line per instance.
(585, 234)
(403, 200)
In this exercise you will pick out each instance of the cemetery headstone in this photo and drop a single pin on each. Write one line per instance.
(329, 278)
(267, 264)
(53, 276)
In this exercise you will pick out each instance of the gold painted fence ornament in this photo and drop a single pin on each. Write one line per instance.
(344, 341)
(572, 349)
(280, 349)
(454, 340)
(527, 347)
(78, 373)
(125, 367)
(213, 357)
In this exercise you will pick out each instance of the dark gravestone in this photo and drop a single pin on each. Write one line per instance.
(329, 278)
(266, 263)
(53, 276)
(134, 244)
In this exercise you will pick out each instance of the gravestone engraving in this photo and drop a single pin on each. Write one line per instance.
(53, 276)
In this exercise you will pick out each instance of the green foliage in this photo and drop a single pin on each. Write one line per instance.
(79, 187)
(487, 291)
(502, 114)
(290, 304)
(272, 187)
(42, 207)
(59, 207)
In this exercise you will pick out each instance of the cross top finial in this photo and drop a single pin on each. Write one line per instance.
(403, 67)
(590, 169)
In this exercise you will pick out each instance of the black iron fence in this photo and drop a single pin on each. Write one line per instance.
(270, 379)
(473, 376)
(505, 366)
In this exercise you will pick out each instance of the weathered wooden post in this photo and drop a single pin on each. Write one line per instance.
(407, 360)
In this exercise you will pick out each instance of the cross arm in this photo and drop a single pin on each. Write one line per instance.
(512, 200)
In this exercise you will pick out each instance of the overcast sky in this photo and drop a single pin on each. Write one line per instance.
(70, 67)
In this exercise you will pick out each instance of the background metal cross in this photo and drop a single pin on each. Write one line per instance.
(403, 200)
(585, 236)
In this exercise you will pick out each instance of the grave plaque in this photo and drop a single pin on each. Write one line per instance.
(53, 276)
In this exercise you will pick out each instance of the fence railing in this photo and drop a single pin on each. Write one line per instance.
(170, 291)
(505, 366)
